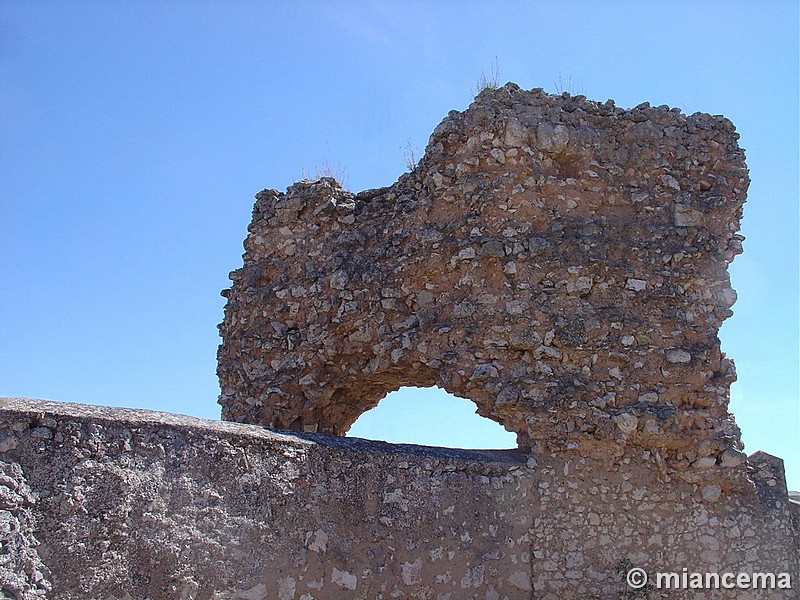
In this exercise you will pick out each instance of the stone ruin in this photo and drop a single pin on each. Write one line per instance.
(559, 262)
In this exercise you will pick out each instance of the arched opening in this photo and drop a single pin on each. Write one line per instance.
(431, 417)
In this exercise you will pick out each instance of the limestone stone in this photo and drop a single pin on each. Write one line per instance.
(686, 216)
(678, 356)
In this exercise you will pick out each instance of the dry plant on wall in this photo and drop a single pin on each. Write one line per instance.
(328, 169)
(410, 155)
(490, 81)
(574, 88)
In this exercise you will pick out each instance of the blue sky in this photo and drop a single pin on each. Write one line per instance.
(133, 137)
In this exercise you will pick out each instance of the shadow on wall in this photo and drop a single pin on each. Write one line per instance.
(432, 417)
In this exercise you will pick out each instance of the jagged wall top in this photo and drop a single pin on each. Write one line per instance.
(560, 262)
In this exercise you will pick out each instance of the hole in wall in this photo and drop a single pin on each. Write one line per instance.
(431, 417)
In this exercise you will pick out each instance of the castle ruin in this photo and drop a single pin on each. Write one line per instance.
(561, 263)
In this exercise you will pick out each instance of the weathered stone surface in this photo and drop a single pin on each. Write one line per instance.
(137, 505)
(22, 574)
(559, 262)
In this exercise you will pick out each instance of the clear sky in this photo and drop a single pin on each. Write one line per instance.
(133, 136)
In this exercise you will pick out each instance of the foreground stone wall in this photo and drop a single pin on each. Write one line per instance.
(559, 262)
(134, 505)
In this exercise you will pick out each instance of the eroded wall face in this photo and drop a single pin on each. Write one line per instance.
(134, 505)
(560, 262)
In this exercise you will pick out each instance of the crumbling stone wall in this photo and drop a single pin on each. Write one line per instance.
(22, 574)
(138, 505)
(559, 262)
